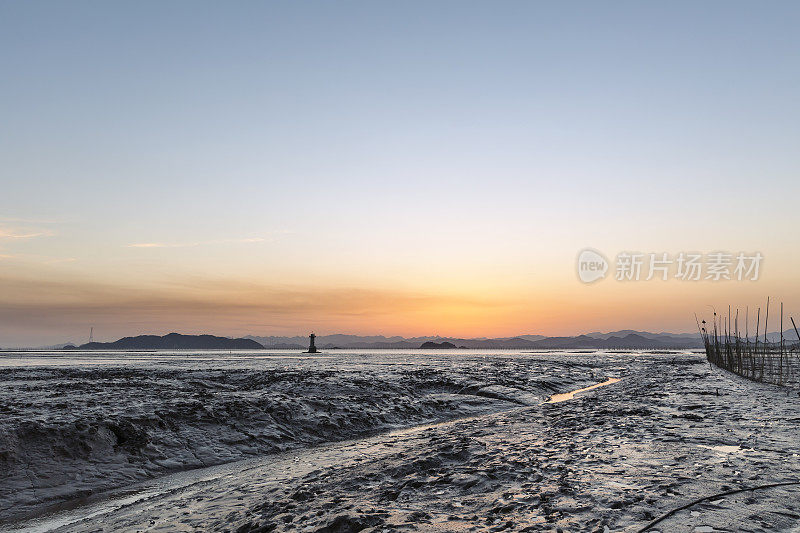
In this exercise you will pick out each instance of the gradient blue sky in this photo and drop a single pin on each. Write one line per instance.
(377, 167)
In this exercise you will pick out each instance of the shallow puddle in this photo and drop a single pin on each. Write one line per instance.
(555, 398)
(723, 448)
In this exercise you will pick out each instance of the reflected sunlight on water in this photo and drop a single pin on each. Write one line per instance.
(564, 396)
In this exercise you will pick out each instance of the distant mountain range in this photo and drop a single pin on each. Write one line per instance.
(623, 339)
(173, 341)
(616, 339)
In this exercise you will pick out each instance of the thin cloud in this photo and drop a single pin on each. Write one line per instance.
(47, 307)
(19, 220)
(196, 243)
(21, 234)
(34, 259)
(30, 300)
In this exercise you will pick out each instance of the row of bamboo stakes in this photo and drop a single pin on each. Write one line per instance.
(754, 358)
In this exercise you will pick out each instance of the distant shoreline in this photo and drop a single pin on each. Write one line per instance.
(323, 352)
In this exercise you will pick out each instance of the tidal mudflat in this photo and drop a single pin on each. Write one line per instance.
(393, 441)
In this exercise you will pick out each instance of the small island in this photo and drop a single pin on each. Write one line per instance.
(173, 341)
(437, 345)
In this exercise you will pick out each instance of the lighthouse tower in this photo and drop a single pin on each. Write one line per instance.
(311, 347)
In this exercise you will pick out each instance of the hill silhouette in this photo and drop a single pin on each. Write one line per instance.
(173, 341)
(617, 339)
(437, 345)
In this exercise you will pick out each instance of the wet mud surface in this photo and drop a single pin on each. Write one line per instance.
(71, 430)
(672, 431)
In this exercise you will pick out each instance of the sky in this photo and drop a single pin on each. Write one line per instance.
(410, 168)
